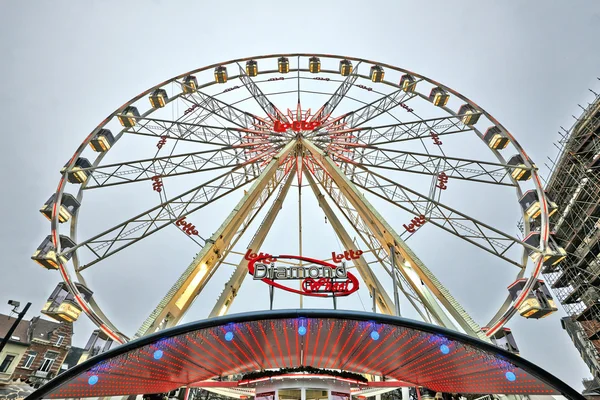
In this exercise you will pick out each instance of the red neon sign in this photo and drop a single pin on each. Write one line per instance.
(314, 282)
(296, 126)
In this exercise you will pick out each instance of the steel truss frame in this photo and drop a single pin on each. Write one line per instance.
(171, 309)
(346, 133)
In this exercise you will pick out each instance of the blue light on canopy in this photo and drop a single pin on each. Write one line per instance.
(158, 354)
(510, 376)
(444, 349)
(229, 336)
(302, 331)
(92, 380)
(374, 335)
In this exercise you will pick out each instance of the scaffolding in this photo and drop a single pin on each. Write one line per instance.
(574, 185)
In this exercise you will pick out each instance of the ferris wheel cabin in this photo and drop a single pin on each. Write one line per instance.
(504, 339)
(408, 83)
(345, 67)
(78, 173)
(439, 97)
(520, 171)
(158, 98)
(314, 65)
(495, 138)
(127, 118)
(190, 84)
(469, 115)
(251, 68)
(102, 141)
(553, 256)
(221, 74)
(283, 65)
(62, 306)
(538, 303)
(68, 207)
(531, 204)
(46, 256)
(377, 73)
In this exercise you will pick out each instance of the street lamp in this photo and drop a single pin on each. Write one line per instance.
(8, 335)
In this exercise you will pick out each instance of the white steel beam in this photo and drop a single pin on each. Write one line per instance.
(388, 237)
(385, 303)
(180, 297)
(232, 286)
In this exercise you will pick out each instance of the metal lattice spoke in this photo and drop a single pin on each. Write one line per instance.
(187, 131)
(459, 224)
(259, 96)
(330, 105)
(429, 164)
(372, 110)
(368, 238)
(225, 111)
(129, 232)
(413, 130)
(164, 167)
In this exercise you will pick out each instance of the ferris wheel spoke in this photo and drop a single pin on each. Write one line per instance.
(189, 132)
(258, 95)
(330, 105)
(459, 224)
(396, 133)
(159, 168)
(150, 221)
(233, 115)
(372, 110)
(353, 216)
(428, 164)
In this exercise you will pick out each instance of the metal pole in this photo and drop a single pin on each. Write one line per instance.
(14, 326)
(394, 282)
(300, 230)
(374, 294)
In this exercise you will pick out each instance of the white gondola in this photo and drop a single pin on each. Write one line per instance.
(102, 141)
(314, 65)
(283, 65)
(538, 303)
(79, 172)
(127, 117)
(190, 84)
(439, 97)
(408, 83)
(496, 138)
(68, 207)
(345, 67)
(251, 68)
(377, 73)
(46, 256)
(158, 98)
(62, 306)
(221, 74)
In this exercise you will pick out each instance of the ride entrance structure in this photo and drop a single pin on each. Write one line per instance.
(352, 132)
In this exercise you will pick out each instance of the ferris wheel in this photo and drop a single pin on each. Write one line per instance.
(352, 132)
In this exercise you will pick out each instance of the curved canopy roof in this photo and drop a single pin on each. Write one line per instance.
(397, 348)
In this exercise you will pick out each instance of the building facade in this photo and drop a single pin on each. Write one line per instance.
(15, 348)
(574, 186)
(43, 348)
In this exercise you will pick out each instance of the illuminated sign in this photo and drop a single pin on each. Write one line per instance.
(319, 278)
(296, 126)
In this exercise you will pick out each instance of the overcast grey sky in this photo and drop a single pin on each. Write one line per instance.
(67, 65)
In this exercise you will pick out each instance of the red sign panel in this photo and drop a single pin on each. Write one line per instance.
(319, 278)
(296, 126)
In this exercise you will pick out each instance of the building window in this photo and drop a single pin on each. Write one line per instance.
(29, 359)
(49, 358)
(59, 340)
(6, 363)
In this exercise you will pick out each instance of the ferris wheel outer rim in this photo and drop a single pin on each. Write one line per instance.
(115, 334)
